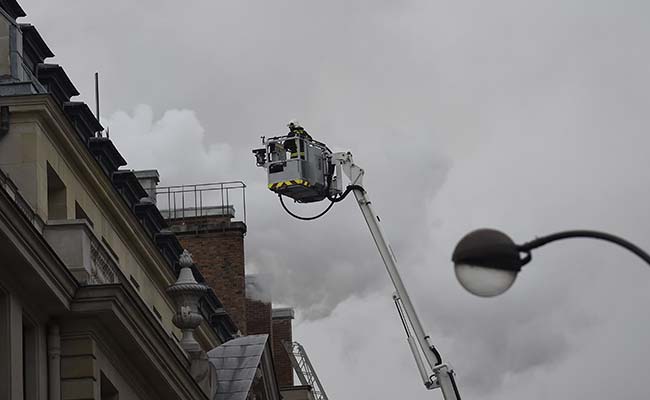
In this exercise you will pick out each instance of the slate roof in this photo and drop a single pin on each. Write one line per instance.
(236, 362)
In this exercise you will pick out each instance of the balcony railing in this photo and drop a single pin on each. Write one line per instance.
(72, 240)
(86, 257)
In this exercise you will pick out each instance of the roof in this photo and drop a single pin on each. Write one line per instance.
(236, 362)
(33, 41)
(12, 8)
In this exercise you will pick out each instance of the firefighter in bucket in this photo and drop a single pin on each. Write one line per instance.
(296, 147)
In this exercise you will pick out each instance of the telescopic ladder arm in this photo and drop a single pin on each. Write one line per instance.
(433, 371)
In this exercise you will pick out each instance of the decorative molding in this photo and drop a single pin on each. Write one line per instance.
(35, 50)
(83, 119)
(44, 111)
(125, 316)
(169, 246)
(149, 216)
(12, 8)
(106, 154)
(46, 265)
(56, 81)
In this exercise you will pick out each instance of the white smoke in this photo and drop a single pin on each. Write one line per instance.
(174, 144)
(259, 287)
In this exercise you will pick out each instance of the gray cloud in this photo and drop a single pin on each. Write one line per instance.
(525, 116)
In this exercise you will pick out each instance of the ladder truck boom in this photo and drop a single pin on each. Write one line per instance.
(316, 174)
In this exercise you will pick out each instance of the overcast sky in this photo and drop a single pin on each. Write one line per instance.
(529, 117)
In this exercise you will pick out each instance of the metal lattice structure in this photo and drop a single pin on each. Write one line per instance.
(304, 369)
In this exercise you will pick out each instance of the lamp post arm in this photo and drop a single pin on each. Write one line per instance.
(533, 244)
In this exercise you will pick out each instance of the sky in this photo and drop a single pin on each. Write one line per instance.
(528, 117)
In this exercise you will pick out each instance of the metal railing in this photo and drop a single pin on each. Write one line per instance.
(219, 199)
(304, 368)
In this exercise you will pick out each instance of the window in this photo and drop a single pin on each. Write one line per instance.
(56, 196)
(79, 213)
(30, 360)
(106, 389)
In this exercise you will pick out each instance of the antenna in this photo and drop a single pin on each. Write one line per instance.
(99, 133)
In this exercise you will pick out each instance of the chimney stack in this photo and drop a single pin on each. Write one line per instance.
(148, 179)
(258, 307)
(282, 332)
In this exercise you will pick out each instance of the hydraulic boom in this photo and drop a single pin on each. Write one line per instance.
(316, 174)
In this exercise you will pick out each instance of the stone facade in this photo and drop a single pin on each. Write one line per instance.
(84, 261)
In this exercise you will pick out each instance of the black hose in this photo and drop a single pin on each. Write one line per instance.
(332, 199)
(304, 218)
(345, 193)
(436, 354)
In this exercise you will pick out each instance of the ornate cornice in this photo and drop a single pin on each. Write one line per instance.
(106, 154)
(127, 319)
(56, 81)
(128, 186)
(169, 245)
(34, 47)
(44, 110)
(150, 217)
(83, 119)
(12, 8)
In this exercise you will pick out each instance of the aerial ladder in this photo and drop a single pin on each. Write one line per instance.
(307, 171)
(304, 368)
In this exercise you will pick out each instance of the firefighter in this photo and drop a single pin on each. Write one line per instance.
(297, 150)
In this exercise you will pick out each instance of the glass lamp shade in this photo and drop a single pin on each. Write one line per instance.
(484, 281)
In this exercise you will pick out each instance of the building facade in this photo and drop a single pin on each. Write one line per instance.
(98, 299)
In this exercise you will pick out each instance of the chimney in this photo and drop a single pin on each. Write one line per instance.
(258, 307)
(148, 179)
(282, 332)
(203, 218)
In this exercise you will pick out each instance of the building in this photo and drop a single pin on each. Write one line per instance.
(97, 298)
(205, 221)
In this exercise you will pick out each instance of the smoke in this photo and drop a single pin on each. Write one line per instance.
(319, 264)
(540, 106)
(259, 287)
(175, 145)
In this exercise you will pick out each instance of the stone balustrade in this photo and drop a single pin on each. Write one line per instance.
(82, 252)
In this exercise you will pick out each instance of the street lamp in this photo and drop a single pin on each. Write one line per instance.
(487, 261)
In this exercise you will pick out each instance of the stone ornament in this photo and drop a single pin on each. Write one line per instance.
(187, 293)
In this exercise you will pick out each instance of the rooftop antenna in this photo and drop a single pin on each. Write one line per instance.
(98, 133)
